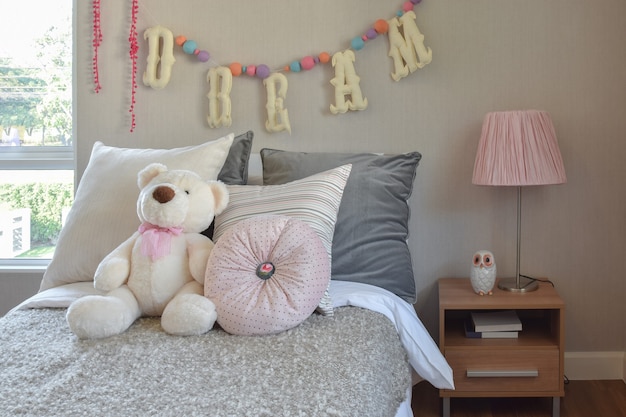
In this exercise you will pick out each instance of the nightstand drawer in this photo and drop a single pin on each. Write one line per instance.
(502, 371)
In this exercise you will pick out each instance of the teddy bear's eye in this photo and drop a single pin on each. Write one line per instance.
(187, 192)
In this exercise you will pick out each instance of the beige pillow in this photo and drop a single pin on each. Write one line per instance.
(104, 213)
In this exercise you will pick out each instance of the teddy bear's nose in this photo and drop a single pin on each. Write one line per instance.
(163, 194)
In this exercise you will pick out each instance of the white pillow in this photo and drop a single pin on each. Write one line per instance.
(104, 212)
(314, 200)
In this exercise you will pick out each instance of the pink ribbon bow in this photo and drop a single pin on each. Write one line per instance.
(156, 241)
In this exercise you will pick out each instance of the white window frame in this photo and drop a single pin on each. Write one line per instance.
(37, 158)
(34, 158)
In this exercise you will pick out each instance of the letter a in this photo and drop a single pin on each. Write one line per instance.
(346, 83)
(277, 115)
(155, 77)
(220, 81)
(404, 49)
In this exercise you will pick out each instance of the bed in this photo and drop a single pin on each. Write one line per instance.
(359, 355)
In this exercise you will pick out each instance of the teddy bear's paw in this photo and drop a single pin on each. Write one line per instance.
(111, 273)
(97, 317)
(189, 314)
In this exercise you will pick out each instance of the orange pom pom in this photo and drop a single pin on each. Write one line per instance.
(235, 68)
(180, 40)
(324, 57)
(381, 26)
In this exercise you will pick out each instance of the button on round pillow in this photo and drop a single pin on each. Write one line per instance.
(266, 274)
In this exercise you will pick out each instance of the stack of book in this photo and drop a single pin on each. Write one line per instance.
(493, 325)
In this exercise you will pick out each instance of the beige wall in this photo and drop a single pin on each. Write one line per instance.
(563, 56)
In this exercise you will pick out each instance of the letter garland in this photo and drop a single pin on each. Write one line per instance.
(406, 49)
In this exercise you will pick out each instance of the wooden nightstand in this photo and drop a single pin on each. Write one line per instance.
(528, 366)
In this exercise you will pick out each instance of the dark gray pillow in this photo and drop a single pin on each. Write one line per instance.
(369, 244)
(235, 169)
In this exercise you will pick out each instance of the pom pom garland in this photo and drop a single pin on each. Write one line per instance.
(306, 63)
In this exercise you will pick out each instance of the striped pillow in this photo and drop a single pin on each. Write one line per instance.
(314, 200)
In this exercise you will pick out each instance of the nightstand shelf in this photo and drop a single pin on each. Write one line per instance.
(530, 365)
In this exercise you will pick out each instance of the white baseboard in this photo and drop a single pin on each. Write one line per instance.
(595, 365)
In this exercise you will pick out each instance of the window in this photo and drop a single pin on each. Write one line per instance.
(36, 142)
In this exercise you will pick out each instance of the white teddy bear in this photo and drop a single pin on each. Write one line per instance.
(159, 270)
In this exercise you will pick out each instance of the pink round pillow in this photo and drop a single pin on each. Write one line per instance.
(266, 274)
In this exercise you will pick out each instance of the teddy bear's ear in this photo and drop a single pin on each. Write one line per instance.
(220, 195)
(148, 173)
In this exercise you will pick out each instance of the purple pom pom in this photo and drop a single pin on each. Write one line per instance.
(203, 56)
(262, 71)
(371, 33)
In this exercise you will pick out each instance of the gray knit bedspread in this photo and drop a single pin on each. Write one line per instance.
(351, 364)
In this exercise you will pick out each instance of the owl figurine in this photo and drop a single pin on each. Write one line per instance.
(483, 274)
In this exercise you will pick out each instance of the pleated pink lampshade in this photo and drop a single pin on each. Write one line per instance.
(518, 148)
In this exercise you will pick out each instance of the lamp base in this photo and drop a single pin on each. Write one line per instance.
(525, 284)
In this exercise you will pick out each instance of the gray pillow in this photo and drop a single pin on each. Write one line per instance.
(235, 169)
(369, 244)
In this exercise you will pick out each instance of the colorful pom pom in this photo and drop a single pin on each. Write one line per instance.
(203, 56)
(307, 62)
(407, 6)
(324, 57)
(189, 47)
(235, 69)
(381, 26)
(251, 70)
(371, 34)
(357, 44)
(295, 66)
(180, 40)
(262, 71)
